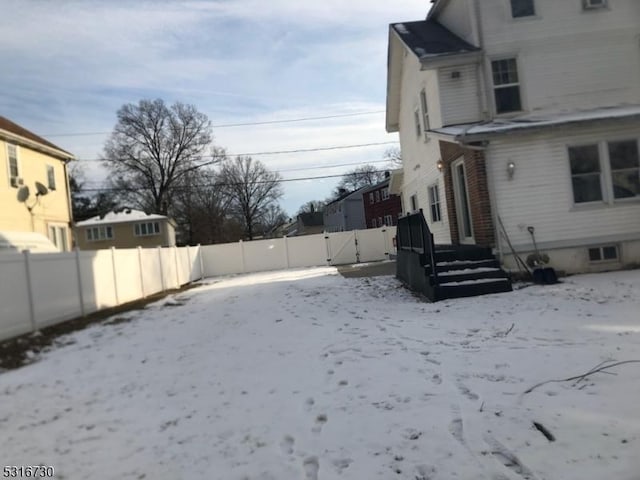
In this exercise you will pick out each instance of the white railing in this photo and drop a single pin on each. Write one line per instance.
(39, 290)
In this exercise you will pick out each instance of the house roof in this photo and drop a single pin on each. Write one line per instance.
(348, 195)
(122, 216)
(377, 185)
(7, 125)
(525, 123)
(428, 38)
(311, 219)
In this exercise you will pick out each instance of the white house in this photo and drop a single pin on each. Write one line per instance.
(525, 112)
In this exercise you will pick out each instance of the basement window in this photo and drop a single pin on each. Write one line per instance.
(607, 253)
(522, 8)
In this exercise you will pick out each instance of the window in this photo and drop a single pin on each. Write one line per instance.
(594, 4)
(146, 229)
(377, 195)
(388, 220)
(506, 85)
(603, 254)
(95, 234)
(380, 222)
(434, 203)
(58, 236)
(585, 173)
(625, 168)
(51, 178)
(425, 111)
(522, 8)
(371, 200)
(373, 223)
(414, 203)
(385, 194)
(416, 118)
(14, 172)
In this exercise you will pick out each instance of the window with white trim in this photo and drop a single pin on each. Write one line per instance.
(373, 223)
(377, 195)
(58, 234)
(414, 202)
(380, 222)
(96, 234)
(371, 198)
(522, 8)
(594, 4)
(416, 119)
(434, 203)
(146, 229)
(51, 177)
(385, 194)
(608, 253)
(14, 170)
(425, 111)
(605, 171)
(388, 220)
(506, 85)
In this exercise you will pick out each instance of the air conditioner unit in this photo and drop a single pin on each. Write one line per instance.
(16, 182)
(588, 4)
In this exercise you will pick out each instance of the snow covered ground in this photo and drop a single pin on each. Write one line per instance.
(306, 375)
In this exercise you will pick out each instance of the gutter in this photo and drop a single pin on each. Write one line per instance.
(59, 154)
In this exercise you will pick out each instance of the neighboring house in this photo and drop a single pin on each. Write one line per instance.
(34, 186)
(525, 112)
(125, 228)
(345, 212)
(381, 208)
(308, 223)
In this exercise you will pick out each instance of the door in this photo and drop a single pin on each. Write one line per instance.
(463, 207)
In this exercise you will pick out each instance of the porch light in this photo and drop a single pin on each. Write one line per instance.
(511, 169)
(440, 165)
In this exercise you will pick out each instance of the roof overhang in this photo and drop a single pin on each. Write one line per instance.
(395, 181)
(33, 145)
(395, 53)
(429, 62)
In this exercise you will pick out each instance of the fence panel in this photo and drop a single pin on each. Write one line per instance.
(54, 282)
(342, 248)
(373, 245)
(127, 267)
(222, 259)
(263, 255)
(151, 272)
(307, 251)
(15, 317)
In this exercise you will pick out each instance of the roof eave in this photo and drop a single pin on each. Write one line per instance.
(19, 139)
(450, 59)
(392, 115)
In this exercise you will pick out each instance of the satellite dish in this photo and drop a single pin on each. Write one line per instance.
(23, 194)
(42, 190)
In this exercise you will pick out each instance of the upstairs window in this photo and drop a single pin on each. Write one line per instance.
(371, 198)
(14, 172)
(385, 194)
(625, 168)
(377, 195)
(522, 8)
(425, 111)
(585, 173)
(51, 177)
(506, 85)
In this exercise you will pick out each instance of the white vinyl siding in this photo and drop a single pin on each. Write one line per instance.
(541, 192)
(459, 94)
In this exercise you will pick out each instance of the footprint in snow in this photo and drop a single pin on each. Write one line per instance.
(286, 445)
(311, 466)
(321, 419)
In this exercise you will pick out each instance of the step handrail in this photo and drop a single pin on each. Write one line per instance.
(414, 235)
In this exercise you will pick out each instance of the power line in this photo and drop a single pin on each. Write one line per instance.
(301, 150)
(221, 184)
(230, 125)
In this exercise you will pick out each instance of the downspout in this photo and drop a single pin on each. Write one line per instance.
(483, 81)
(74, 243)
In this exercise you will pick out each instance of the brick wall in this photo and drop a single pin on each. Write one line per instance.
(391, 206)
(478, 191)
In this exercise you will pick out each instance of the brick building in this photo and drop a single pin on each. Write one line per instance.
(380, 207)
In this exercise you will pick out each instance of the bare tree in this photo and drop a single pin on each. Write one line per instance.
(358, 178)
(312, 206)
(152, 148)
(394, 156)
(252, 189)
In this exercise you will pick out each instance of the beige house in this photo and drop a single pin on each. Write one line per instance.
(126, 228)
(34, 187)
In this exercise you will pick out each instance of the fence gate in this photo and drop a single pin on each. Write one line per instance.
(342, 248)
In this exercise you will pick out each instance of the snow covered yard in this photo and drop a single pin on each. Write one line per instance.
(306, 375)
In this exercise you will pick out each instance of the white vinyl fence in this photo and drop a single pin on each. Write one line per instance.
(38, 290)
(42, 289)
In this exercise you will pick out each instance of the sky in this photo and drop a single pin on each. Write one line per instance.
(68, 66)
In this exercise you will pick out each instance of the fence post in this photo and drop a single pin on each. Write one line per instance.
(189, 262)
(79, 274)
(242, 265)
(141, 271)
(115, 276)
(286, 251)
(161, 268)
(175, 253)
(355, 240)
(327, 244)
(386, 243)
(201, 262)
(32, 309)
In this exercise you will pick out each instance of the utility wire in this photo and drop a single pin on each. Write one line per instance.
(230, 125)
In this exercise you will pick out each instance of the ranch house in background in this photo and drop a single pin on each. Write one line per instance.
(34, 187)
(525, 113)
(125, 228)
